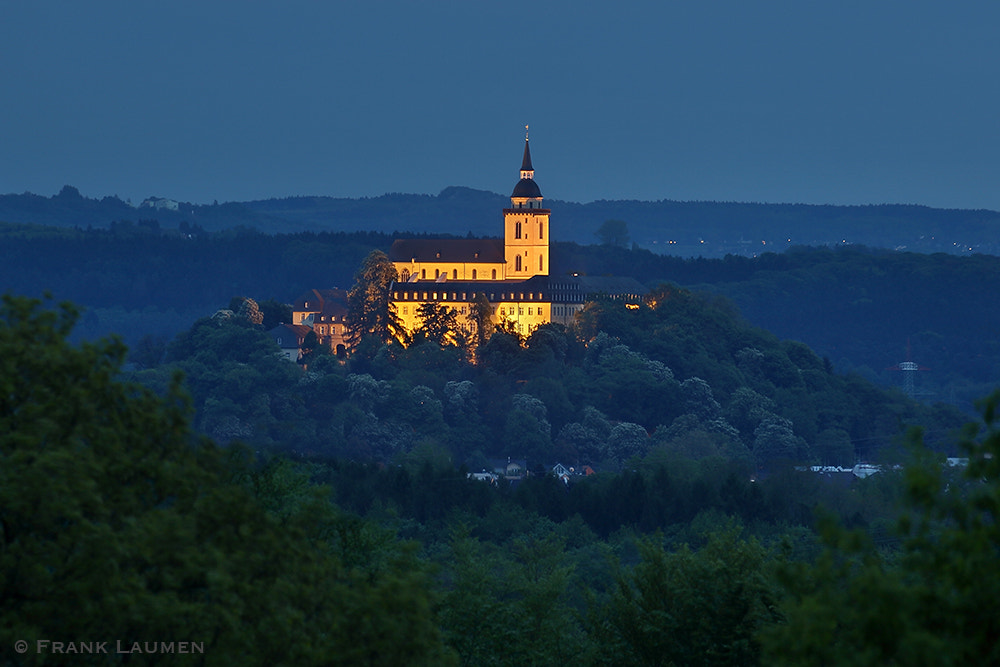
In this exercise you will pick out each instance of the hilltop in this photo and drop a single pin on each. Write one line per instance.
(687, 229)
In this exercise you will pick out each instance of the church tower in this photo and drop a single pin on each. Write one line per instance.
(526, 226)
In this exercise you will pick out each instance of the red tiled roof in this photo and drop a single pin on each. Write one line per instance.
(319, 300)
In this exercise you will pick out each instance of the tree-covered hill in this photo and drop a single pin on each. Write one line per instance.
(138, 279)
(117, 518)
(690, 229)
(684, 375)
(865, 309)
(856, 306)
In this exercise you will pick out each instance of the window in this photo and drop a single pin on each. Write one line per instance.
(520, 311)
(530, 311)
(406, 310)
(541, 230)
(540, 264)
(405, 275)
(454, 274)
(517, 230)
(494, 274)
(437, 274)
(517, 260)
(423, 274)
(540, 311)
(473, 274)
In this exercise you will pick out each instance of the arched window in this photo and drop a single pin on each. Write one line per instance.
(473, 274)
(454, 274)
(517, 230)
(494, 274)
(406, 275)
(437, 274)
(541, 230)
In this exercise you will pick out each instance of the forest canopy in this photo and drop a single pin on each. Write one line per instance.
(111, 505)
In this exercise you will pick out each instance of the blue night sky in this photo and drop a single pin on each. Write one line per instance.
(815, 102)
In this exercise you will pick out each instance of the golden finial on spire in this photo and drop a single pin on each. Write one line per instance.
(525, 132)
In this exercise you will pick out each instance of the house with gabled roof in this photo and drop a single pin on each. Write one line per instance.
(510, 468)
(325, 312)
(290, 338)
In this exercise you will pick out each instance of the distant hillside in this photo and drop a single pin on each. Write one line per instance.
(687, 229)
(860, 307)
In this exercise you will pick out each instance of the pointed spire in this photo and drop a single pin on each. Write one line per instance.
(526, 187)
(526, 161)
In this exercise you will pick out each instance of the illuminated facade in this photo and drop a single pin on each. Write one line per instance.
(512, 273)
(325, 312)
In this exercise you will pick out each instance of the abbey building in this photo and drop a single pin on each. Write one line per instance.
(512, 273)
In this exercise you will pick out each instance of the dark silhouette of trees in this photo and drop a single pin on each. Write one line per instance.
(370, 311)
(117, 522)
(438, 324)
(935, 600)
(613, 233)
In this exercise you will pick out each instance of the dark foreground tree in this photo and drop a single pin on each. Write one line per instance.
(438, 324)
(116, 524)
(481, 319)
(688, 607)
(370, 310)
(936, 601)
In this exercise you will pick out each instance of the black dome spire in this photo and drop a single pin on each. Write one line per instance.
(526, 187)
